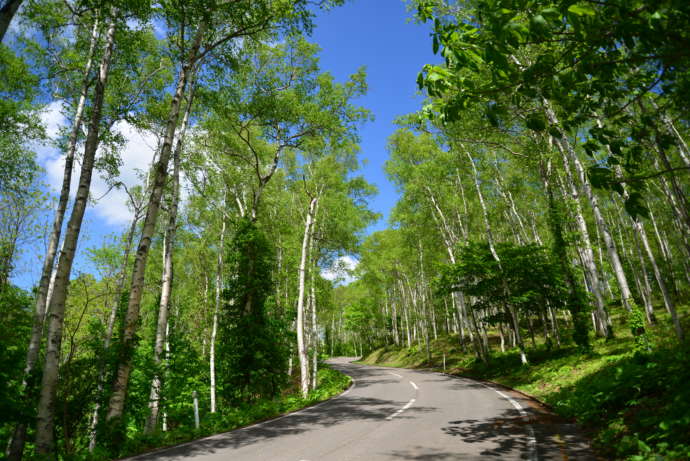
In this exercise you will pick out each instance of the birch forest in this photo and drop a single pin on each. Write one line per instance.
(542, 211)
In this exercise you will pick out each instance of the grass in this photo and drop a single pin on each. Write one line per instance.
(331, 383)
(635, 405)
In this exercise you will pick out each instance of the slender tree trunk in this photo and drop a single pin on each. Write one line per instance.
(683, 150)
(645, 288)
(110, 328)
(586, 252)
(166, 288)
(576, 301)
(446, 317)
(216, 311)
(665, 252)
(668, 300)
(461, 318)
(314, 328)
(554, 325)
(7, 12)
(394, 316)
(167, 279)
(45, 422)
(508, 198)
(164, 423)
(535, 233)
(677, 191)
(614, 258)
(485, 213)
(530, 328)
(489, 236)
(450, 239)
(19, 437)
(407, 327)
(117, 399)
(301, 347)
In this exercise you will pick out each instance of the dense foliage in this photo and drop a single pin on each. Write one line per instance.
(255, 151)
(543, 214)
(254, 351)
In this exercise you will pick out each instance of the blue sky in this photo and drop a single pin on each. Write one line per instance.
(376, 34)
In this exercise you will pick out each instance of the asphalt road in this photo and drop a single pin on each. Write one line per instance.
(399, 414)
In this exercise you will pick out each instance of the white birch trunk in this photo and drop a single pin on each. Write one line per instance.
(301, 347)
(639, 229)
(314, 326)
(490, 240)
(167, 278)
(109, 330)
(16, 447)
(216, 311)
(46, 411)
(668, 301)
(117, 399)
(586, 252)
(683, 150)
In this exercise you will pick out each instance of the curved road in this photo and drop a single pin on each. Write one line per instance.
(393, 413)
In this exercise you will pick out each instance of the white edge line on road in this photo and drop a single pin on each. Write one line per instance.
(407, 405)
(414, 385)
(395, 374)
(523, 414)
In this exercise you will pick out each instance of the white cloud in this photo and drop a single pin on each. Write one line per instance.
(53, 120)
(341, 270)
(136, 157)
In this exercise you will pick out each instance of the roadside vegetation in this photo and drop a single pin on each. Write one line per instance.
(632, 404)
(330, 383)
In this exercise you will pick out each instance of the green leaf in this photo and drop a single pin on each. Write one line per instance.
(591, 147)
(539, 20)
(600, 177)
(536, 122)
(552, 13)
(635, 207)
(582, 10)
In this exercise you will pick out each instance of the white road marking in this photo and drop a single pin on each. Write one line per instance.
(394, 374)
(407, 405)
(414, 385)
(523, 414)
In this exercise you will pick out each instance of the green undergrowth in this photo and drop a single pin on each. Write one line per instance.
(331, 383)
(634, 405)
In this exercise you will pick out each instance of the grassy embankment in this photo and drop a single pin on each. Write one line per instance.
(634, 405)
(330, 384)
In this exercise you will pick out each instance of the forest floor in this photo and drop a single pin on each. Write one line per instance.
(330, 383)
(633, 405)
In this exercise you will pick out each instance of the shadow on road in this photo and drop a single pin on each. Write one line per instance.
(503, 434)
(346, 409)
